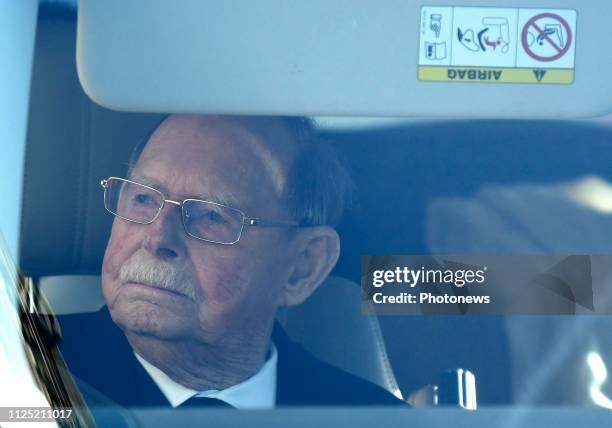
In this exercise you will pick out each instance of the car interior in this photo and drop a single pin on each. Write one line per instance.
(422, 186)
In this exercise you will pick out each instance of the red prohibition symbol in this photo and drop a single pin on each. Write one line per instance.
(545, 37)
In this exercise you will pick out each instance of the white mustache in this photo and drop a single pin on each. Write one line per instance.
(143, 268)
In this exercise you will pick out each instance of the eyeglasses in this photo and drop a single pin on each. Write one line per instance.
(204, 220)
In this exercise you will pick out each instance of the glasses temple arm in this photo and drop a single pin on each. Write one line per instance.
(268, 223)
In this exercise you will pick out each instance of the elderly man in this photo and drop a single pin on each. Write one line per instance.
(220, 222)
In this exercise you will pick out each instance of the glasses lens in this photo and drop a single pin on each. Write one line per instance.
(212, 222)
(132, 201)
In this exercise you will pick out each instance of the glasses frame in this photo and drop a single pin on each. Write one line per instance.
(246, 221)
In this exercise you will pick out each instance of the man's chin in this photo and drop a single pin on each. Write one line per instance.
(149, 319)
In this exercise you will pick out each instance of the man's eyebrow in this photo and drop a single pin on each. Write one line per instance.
(141, 179)
(223, 198)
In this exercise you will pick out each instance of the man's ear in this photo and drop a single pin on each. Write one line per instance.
(317, 252)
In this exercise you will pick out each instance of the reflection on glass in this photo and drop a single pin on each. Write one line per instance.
(18, 387)
(600, 374)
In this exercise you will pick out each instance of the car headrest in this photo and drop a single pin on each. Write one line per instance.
(71, 145)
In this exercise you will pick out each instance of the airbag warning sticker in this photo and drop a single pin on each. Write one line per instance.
(497, 45)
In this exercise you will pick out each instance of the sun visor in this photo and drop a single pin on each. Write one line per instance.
(511, 59)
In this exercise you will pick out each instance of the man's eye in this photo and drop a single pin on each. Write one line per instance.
(214, 217)
(207, 217)
(143, 199)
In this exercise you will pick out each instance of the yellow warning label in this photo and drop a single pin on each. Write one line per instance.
(496, 75)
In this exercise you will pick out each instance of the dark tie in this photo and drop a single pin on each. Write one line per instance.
(206, 402)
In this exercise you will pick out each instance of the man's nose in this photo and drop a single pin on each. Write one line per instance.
(164, 237)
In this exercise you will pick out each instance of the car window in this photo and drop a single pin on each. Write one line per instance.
(529, 200)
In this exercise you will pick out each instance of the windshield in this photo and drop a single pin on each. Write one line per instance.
(170, 262)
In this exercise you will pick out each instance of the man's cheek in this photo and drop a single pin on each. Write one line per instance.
(117, 250)
(223, 283)
(225, 293)
(112, 258)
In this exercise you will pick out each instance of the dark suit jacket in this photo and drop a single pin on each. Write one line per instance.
(97, 353)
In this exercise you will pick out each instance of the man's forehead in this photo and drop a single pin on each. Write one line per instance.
(219, 196)
(234, 140)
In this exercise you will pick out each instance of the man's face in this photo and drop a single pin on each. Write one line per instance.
(218, 291)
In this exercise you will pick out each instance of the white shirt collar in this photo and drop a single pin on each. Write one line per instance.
(257, 392)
